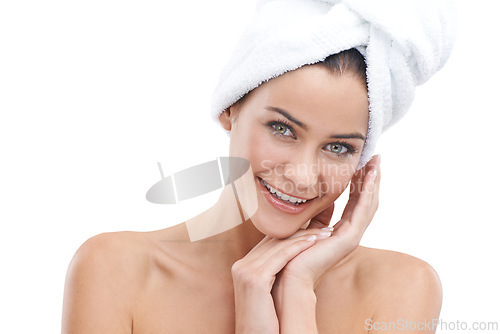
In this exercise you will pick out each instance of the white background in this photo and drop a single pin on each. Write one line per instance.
(94, 93)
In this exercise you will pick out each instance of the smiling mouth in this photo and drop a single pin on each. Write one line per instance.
(284, 197)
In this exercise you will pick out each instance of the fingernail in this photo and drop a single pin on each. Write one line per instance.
(325, 234)
(329, 228)
(311, 238)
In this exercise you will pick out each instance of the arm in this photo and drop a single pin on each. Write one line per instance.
(253, 279)
(98, 290)
(296, 306)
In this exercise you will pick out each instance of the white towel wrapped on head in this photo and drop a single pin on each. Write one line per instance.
(404, 43)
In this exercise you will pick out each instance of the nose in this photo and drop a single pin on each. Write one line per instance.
(303, 170)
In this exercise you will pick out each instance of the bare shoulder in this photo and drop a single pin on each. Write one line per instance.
(115, 253)
(394, 270)
(398, 284)
(102, 281)
(110, 242)
(129, 255)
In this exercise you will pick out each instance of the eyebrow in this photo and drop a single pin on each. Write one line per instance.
(287, 115)
(303, 126)
(349, 135)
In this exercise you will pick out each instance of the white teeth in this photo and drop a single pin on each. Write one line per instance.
(282, 196)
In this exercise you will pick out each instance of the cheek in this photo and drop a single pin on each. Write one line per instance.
(265, 154)
(336, 180)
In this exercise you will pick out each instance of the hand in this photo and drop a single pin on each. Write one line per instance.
(254, 276)
(310, 264)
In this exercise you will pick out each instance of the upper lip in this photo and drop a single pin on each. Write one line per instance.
(281, 191)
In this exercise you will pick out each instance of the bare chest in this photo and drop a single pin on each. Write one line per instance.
(184, 305)
(206, 305)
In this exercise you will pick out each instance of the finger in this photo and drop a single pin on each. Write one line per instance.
(364, 211)
(356, 181)
(268, 242)
(268, 246)
(376, 194)
(372, 184)
(279, 259)
(262, 256)
(357, 184)
(319, 232)
(358, 210)
(265, 245)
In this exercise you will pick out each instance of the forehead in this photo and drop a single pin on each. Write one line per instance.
(318, 97)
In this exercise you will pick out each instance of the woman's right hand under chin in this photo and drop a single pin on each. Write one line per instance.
(310, 265)
(255, 275)
(253, 279)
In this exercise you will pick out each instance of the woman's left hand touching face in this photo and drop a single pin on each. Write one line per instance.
(308, 266)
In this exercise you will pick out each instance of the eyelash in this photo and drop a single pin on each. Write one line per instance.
(350, 149)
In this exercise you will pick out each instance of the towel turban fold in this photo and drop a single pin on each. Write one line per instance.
(404, 43)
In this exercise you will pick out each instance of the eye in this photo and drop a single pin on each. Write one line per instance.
(341, 149)
(282, 129)
(337, 148)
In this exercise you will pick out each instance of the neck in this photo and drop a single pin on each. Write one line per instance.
(224, 229)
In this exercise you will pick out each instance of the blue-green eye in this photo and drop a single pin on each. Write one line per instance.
(337, 148)
(281, 129)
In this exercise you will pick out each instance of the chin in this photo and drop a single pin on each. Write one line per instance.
(277, 232)
(276, 224)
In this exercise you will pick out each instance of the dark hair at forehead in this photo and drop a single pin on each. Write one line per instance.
(349, 61)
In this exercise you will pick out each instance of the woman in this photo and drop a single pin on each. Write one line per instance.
(307, 132)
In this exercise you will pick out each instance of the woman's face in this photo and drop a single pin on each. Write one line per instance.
(303, 133)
